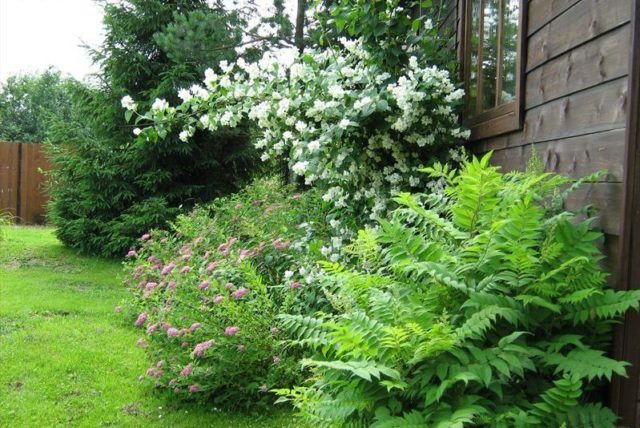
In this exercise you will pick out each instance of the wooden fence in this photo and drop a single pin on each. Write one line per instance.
(22, 181)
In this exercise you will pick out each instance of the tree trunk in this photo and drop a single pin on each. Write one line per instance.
(299, 36)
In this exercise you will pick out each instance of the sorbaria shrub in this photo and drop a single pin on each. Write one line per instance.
(483, 305)
(340, 121)
(206, 293)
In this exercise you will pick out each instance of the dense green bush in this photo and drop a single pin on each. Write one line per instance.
(106, 190)
(208, 292)
(483, 305)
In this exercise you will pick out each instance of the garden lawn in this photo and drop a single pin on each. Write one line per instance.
(66, 359)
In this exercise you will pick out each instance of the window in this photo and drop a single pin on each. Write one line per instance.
(492, 66)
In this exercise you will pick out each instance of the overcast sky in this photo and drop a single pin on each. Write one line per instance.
(35, 34)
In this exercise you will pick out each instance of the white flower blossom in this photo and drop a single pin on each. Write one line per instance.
(128, 103)
(300, 167)
(302, 108)
(160, 104)
(185, 95)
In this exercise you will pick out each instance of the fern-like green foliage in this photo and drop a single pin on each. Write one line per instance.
(483, 306)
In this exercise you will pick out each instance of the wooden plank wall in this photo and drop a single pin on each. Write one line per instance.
(576, 103)
(22, 181)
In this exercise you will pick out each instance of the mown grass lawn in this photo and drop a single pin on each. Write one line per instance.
(66, 359)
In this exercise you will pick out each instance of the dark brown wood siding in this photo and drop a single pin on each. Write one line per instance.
(576, 91)
(576, 106)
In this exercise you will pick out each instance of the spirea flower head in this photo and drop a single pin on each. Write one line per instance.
(295, 285)
(145, 237)
(204, 285)
(229, 286)
(211, 266)
(240, 293)
(187, 370)
(219, 298)
(173, 332)
(231, 331)
(200, 348)
(195, 326)
(132, 253)
(280, 244)
(185, 269)
(194, 388)
(141, 319)
(168, 268)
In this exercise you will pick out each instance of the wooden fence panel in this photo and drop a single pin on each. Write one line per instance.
(32, 195)
(9, 169)
(22, 181)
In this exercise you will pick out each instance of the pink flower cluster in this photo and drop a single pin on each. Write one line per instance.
(225, 248)
(195, 326)
(148, 289)
(280, 244)
(204, 285)
(200, 348)
(155, 372)
(141, 319)
(240, 293)
(187, 370)
(231, 331)
(168, 268)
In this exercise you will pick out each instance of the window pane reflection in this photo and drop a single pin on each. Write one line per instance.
(492, 55)
(489, 54)
(475, 39)
(510, 49)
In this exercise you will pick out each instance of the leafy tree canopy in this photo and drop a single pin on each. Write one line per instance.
(28, 104)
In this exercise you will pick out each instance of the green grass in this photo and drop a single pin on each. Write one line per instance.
(66, 359)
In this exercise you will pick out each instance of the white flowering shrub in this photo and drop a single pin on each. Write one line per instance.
(341, 123)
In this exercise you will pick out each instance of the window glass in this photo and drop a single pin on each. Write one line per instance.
(492, 56)
(489, 54)
(474, 43)
(510, 48)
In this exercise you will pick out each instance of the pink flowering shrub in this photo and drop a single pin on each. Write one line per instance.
(207, 293)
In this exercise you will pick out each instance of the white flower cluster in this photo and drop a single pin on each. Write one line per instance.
(341, 122)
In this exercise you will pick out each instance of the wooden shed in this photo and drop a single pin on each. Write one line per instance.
(563, 77)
